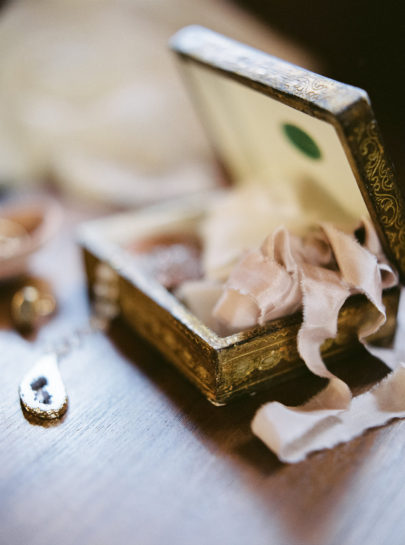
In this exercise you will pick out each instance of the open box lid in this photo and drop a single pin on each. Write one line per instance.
(274, 122)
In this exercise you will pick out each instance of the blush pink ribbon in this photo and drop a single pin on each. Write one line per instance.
(316, 274)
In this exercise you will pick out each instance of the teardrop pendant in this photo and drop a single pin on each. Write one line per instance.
(42, 392)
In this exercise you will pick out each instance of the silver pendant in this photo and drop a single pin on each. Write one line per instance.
(42, 392)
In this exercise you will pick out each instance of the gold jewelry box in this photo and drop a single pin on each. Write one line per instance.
(269, 121)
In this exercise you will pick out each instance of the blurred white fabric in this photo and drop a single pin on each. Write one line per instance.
(90, 98)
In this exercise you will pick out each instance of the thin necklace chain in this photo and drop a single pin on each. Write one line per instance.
(104, 309)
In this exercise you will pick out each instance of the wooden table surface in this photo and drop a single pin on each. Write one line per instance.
(141, 457)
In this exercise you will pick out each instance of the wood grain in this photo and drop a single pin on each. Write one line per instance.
(141, 457)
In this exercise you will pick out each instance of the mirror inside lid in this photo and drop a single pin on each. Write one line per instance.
(309, 140)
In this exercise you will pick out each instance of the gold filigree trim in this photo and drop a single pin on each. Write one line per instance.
(382, 188)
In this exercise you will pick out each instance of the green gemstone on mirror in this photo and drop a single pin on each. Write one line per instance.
(302, 141)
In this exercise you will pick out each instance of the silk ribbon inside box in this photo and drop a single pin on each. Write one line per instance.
(301, 151)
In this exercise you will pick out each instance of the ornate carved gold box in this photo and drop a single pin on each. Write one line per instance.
(277, 124)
